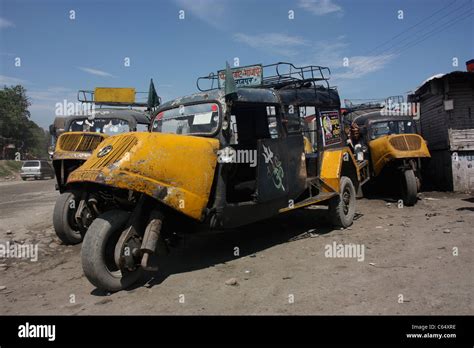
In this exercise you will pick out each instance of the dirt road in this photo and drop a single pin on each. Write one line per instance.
(416, 260)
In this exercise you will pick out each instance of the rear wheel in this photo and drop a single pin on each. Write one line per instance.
(409, 187)
(342, 207)
(98, 253)
(64, 219)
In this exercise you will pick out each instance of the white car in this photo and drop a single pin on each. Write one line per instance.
(37, 169)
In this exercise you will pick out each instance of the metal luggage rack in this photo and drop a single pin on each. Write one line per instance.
(281, 75)
(85, 96)
(362, 104)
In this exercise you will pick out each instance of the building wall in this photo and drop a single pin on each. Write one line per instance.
(437, 171)
(463, 171)
(448, 131)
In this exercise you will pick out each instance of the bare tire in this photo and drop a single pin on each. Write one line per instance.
(342, 207)
(63, 219)
(98, 249)
(409, 188)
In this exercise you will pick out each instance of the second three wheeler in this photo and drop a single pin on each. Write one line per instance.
(395, 151)
(74, 142)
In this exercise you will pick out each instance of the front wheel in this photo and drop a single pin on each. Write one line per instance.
(342, 207)
(409, 187)
(98, 253)
(64, 219)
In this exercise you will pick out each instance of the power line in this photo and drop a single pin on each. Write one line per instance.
(413, 26)
(422, 29)
(422, 38)
(419, 39)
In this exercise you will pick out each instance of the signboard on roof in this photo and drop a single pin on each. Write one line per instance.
(244, 76)
(114, 95)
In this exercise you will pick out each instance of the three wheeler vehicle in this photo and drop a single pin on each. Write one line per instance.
(76, 139)
(393, 148)
(218, 159)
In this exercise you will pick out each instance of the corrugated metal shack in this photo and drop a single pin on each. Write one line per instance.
(446, 122)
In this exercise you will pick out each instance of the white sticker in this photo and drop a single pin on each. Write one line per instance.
(203, 118)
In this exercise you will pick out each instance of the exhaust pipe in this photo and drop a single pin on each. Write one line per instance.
(151, 239)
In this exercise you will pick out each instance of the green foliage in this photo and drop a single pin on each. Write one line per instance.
(10, 168)
(16, 126)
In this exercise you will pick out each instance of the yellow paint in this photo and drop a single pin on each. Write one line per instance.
(331, 166)
(76, 145)
(114, 95)
(307, 203)
(177, 170)
(307, 145)
(382, 151)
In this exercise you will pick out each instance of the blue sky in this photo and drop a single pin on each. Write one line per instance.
(60, 55)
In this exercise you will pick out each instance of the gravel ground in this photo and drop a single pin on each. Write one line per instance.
(416, 260)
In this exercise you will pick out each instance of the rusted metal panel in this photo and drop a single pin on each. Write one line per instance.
(461, 139)
(387, 148)
(177, 170)
(463, 171)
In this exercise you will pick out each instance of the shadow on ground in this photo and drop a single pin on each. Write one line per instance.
(203, 251)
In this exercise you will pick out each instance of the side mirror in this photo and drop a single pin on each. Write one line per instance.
(51, 150)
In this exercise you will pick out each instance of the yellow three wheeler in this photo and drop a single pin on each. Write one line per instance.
(218, 159)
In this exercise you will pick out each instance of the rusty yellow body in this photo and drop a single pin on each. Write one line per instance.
(77, 145)
(177, 170)
(398, 146)
(331, 167)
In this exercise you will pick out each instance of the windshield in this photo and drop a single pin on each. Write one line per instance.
(31, 164)
(110, 126)
(190, 119)
(391, 127)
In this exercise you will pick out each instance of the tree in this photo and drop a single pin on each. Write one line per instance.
(15, 124)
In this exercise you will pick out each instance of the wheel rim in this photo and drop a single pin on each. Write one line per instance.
(109, 259)
(346, 200)
(71, 215)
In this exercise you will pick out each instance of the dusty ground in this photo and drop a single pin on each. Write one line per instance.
(408, 252)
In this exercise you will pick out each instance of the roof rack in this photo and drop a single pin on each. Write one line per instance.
(278, 76)
(114, 97)
(362, 104)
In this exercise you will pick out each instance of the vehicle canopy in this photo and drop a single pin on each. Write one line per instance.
(377, 116)
(129, 118)
(374, 123)
(275, 84)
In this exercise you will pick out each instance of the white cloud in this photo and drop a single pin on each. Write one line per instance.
(96, 72)
(43, 103)
(360, 66)
(4, 23)
(210, 11)
(283, 44)
(7, 80)
(52, 94)
(323, 53)
(319, 7)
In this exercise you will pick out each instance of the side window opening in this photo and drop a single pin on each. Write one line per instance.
(309, 120)
(292, 119)
(249, 123)
(272, 121)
